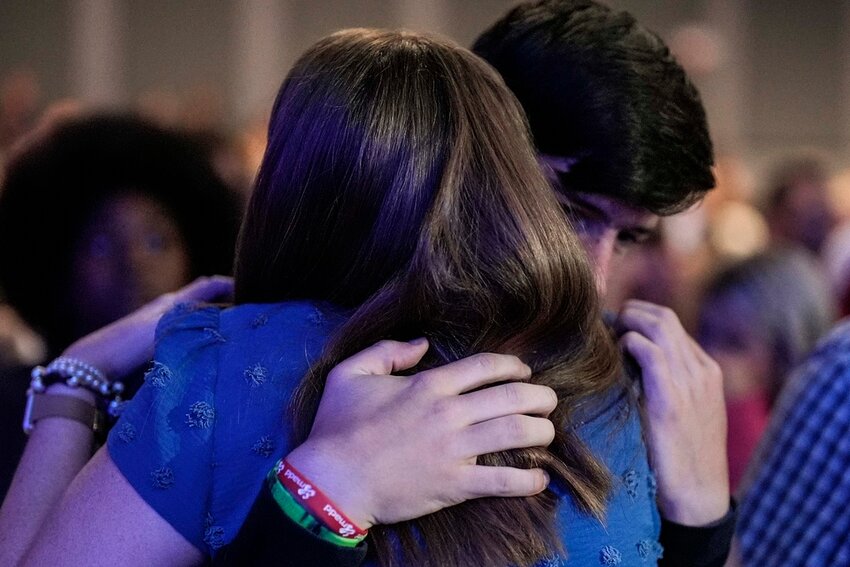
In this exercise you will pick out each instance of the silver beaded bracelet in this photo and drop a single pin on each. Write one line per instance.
(78, 374)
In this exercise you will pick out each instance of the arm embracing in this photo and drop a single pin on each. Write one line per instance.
(422, 434)
(59, 447)
(101, 520)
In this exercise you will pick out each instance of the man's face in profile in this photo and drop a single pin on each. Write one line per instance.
(606, 226)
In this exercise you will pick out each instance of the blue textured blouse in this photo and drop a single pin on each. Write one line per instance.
(200, 435)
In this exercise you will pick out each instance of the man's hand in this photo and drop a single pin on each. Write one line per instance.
(126, 344)
(683, 389)
(390, 448)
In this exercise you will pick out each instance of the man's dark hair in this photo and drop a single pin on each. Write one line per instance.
(606, 93)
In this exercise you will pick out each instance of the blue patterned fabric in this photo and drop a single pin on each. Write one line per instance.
(797, 509)
(198, 439)
(629, 536)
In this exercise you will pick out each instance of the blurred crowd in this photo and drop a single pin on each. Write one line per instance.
(758, 273)
(100, 213)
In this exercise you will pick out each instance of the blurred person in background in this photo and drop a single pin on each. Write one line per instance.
(101, 215)
(98, 216)
(759, 318)
(794, 510)
(198, 113)
(797, 205)
(836, 262)
(20, 101)
(19, 345)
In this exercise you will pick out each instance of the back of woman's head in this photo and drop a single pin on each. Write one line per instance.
(400, 182)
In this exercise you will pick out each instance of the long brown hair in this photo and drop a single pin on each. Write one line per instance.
(400, 182)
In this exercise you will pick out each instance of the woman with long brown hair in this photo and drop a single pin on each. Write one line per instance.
(399, 198)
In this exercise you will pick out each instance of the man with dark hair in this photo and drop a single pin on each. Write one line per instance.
(610, 110)
(622, 134)
(618, 126)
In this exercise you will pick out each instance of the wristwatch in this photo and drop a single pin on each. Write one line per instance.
(41, 405)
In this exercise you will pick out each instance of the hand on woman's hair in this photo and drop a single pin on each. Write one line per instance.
(390, 448)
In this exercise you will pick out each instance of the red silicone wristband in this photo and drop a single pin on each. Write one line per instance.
(315, 502)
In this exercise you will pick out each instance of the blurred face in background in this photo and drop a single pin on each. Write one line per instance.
(130, 252)
(729, 332)
(805, 216)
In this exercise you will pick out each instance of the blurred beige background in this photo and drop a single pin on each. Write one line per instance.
(775, 74)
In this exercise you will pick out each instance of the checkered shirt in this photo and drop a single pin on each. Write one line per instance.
(796, 511)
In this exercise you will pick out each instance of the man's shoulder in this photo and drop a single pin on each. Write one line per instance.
(819, 382)
(800, 469)
(830, 360)
(836, 341)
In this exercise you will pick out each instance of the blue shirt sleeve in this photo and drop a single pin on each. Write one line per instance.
(163, 442)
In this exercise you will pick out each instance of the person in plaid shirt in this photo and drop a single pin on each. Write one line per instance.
(795, 510)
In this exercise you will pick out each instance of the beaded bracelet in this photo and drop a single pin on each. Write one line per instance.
(310, 508)
(78, 374)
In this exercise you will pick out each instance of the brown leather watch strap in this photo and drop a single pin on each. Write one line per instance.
(69, 407)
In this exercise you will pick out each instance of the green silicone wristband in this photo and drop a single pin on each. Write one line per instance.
(293, 510)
